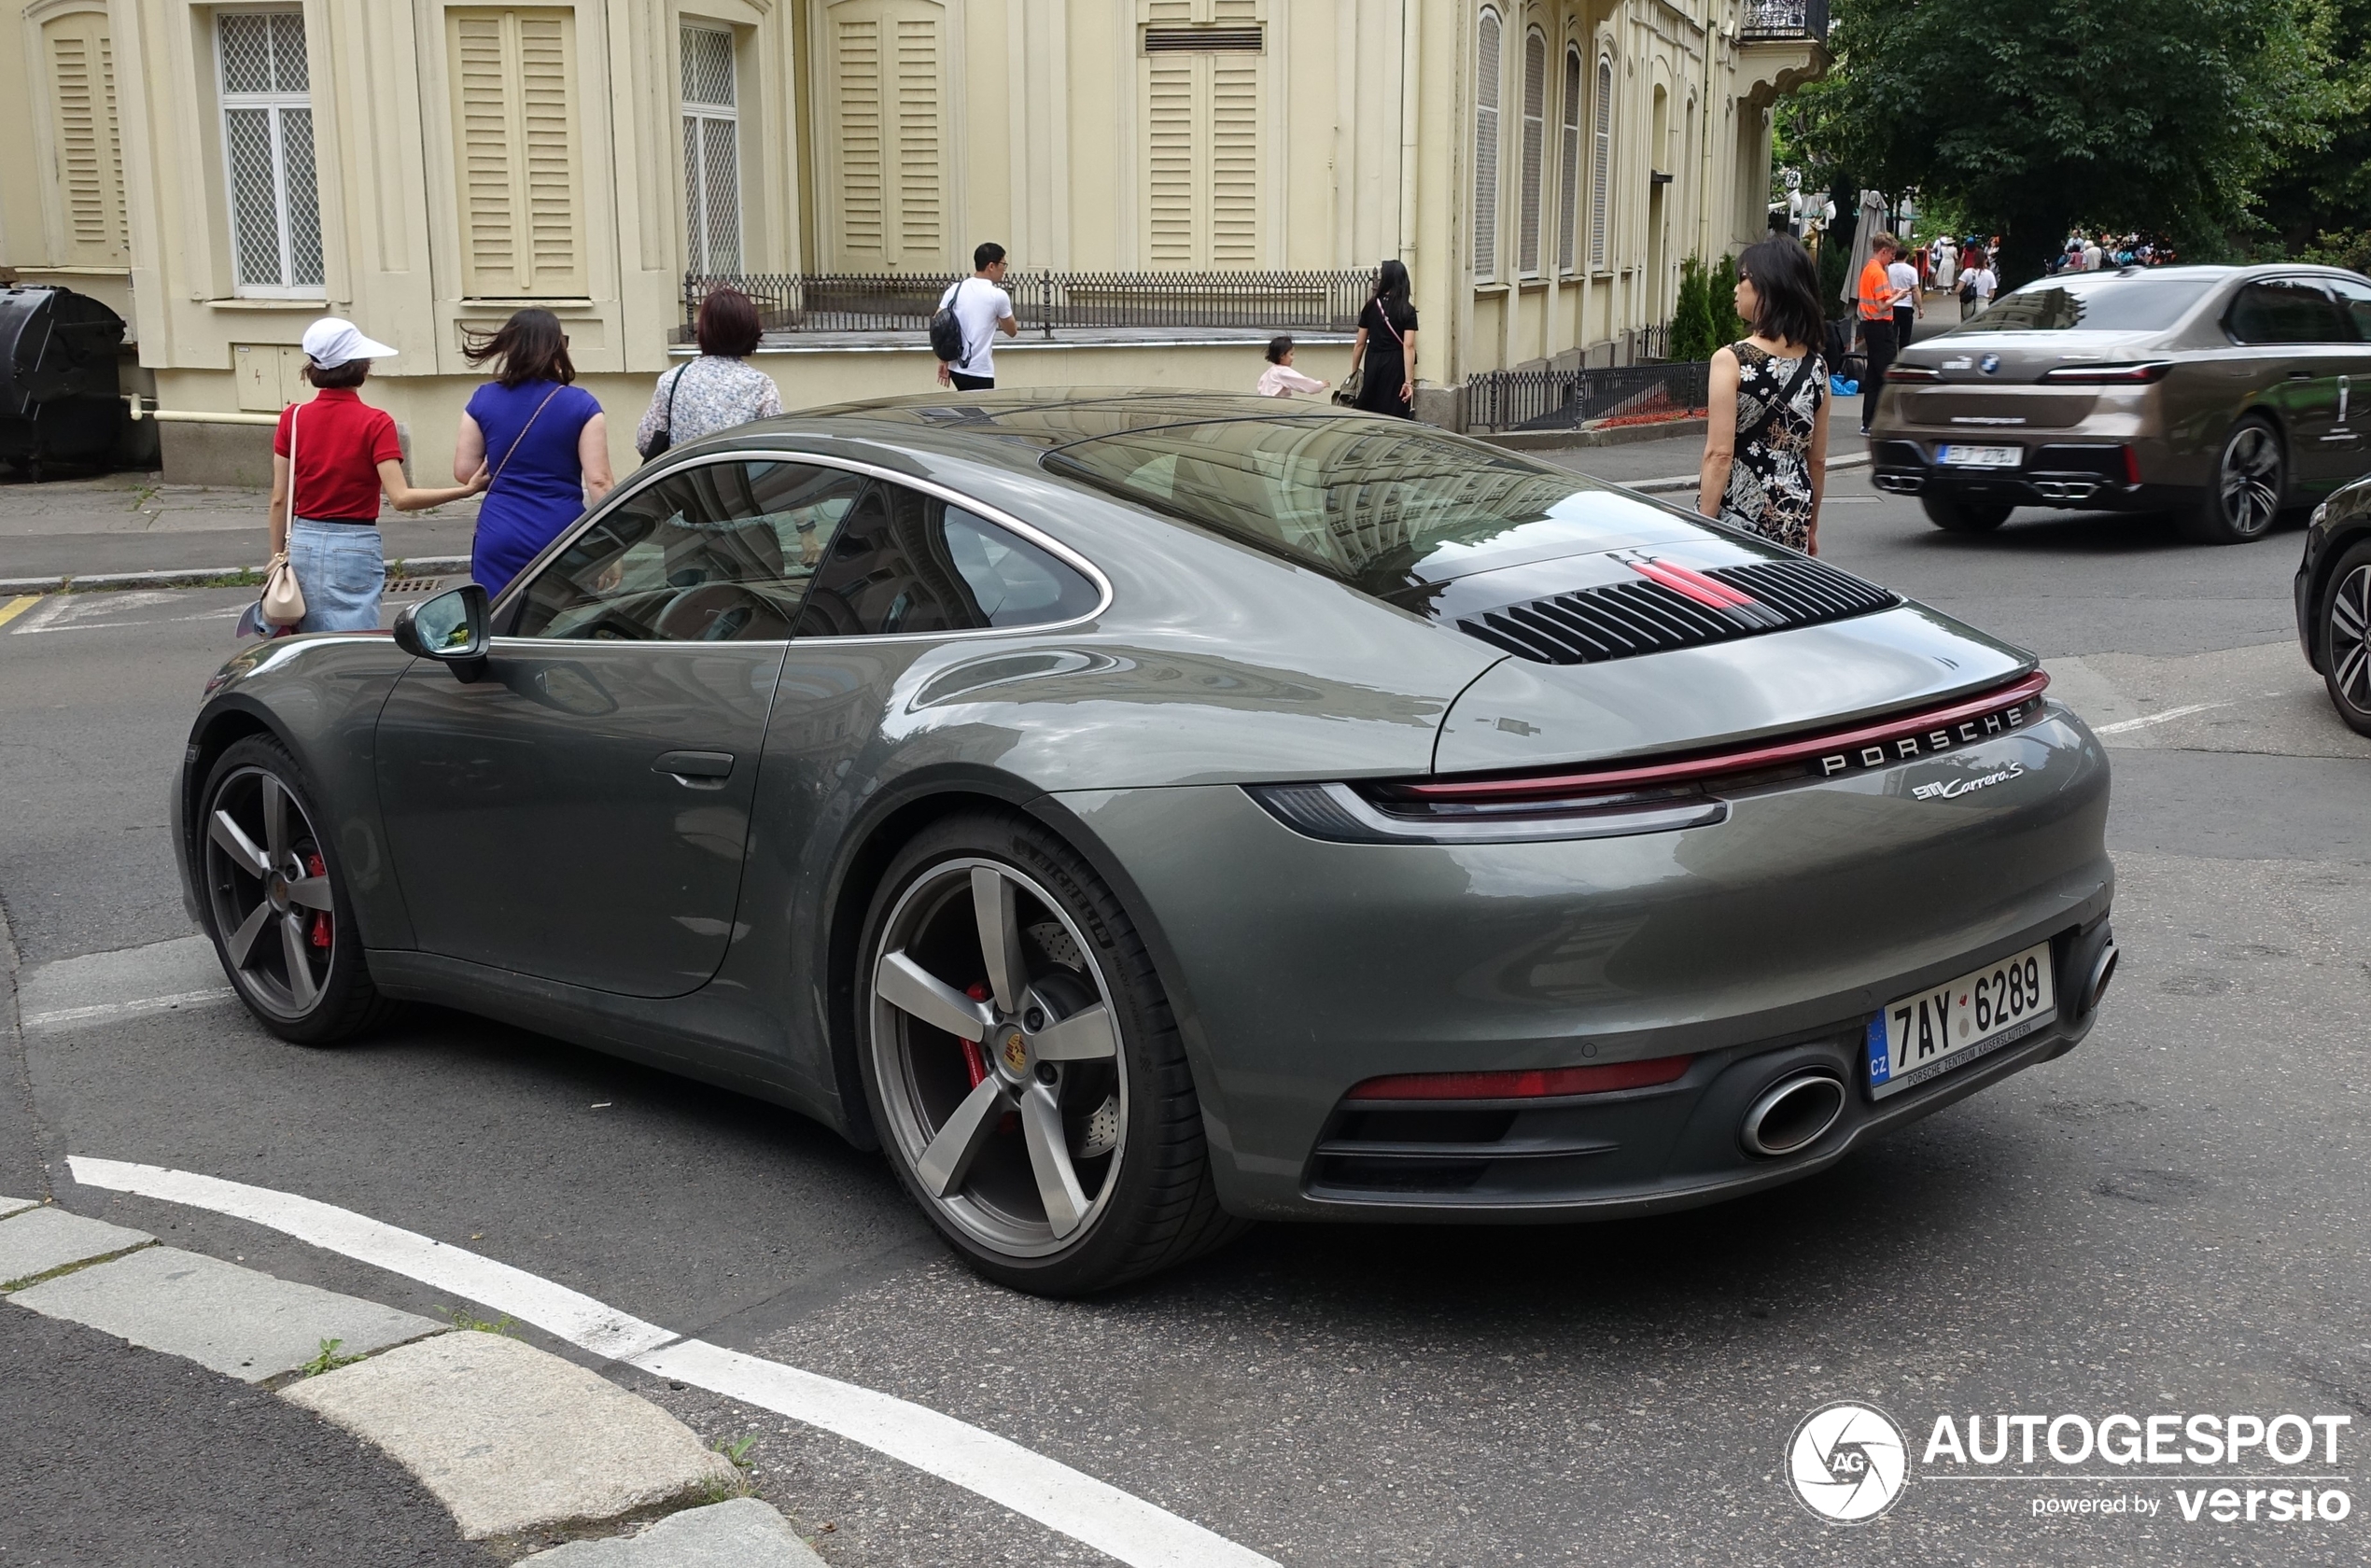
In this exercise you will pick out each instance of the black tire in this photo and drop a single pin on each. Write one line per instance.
(1153, 1203)
(2343, 621)
(2250, 487)
(1959, 515)
(247, 900)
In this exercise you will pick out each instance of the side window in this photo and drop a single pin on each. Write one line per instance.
(2284, 311)
(907, 562)
(2354, 303)
(718, 553)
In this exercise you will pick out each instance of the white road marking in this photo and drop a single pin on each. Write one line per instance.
(2168, 714)
(56, 1017)
(1062, 1499)
(55, 606)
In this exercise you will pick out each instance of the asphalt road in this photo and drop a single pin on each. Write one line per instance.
(2173, 1218)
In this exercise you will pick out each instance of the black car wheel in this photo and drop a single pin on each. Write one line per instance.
(275, 901)
(1961, 515)
(2346, 637)
(2250, 484)
(1022, 1066)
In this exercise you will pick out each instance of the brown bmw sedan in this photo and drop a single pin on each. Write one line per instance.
(2220, 394)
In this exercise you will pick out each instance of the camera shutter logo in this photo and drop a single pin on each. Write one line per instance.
(1848, 1462)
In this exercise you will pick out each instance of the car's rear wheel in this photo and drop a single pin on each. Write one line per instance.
(1961, 515)
(275, 899)
(2250, 484)
(1022, 1066)
(2346, 637)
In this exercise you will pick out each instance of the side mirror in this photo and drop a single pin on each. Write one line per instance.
(449, 628)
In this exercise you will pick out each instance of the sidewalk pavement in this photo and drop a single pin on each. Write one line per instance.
(519, 1446)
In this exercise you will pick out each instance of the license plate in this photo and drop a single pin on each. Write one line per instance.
(1960, 456)
(1931, 1031)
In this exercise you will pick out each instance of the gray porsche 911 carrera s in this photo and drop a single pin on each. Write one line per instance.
(1140, 813)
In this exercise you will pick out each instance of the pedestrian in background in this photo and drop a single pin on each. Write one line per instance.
(1280, 380)
(718, 390)
(1382, 358)
(1946, 254)
(1976, 283)
(1873, 297)
(982, 309)
(544, 440)
(332, 458)
(1908, 303)
(1765, 460)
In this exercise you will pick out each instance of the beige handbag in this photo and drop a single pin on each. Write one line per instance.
(283, 601)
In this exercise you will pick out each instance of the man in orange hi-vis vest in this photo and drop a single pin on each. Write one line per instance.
(1876, 298)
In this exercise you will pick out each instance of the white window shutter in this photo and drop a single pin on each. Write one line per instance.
(86, 138)
(1486, 74)
(921, 225)
(1569, 185)
(1203, 144)
(1601, 166)
(1535, 151)
(516, 140)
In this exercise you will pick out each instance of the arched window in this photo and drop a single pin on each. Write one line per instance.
(1534, 149)
(1568, 184)
(1602, 165)
(1486, 75)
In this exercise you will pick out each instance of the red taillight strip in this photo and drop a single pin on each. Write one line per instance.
(1535, 1083)
(1727, 761)
(1710, 592)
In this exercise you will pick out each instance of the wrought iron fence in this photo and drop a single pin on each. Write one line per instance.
(1503, 400)
(1048, 303)
(1784, 18)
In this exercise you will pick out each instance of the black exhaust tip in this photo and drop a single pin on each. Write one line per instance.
(1792, 1115)
(2103, 970)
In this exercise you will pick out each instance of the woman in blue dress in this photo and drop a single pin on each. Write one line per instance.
(544, 442)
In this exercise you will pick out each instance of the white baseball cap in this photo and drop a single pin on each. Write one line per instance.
(333, 340)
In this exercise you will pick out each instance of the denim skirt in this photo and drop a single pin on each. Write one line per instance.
(342, 567)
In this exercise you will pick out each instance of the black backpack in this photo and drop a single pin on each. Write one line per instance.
(946, 332)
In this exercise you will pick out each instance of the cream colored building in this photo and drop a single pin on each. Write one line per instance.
(221, 174)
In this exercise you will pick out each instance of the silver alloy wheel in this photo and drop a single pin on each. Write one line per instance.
(2250, 480)
(2349, 654)
(271, 893)
(996, 1048)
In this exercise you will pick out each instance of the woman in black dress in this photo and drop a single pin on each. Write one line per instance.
(1766, 416)
(1385, 350)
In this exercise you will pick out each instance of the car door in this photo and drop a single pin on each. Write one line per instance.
(2351, 436)
(2293, 325)
(580, 812)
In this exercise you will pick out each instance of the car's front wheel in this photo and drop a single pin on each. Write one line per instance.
(1022, 1066)
(2251, 483)
(275, 899)
(1960, 515)
(2346, 637)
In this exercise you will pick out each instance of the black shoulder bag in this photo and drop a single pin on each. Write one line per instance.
(1786, 401)
(664, 436)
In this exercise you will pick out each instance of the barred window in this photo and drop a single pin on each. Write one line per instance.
(1568, 191)
(1486, 89)
(267, 143)
(1534, 151)
(711, 154)
(1602, 168)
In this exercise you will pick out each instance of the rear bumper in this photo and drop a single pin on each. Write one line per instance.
(1759, 948)
(2089, 475)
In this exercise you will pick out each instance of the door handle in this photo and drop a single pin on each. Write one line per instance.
(688, 765)
(2300, 375)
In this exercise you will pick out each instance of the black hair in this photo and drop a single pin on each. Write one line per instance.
(531, 345)
(1785, 289)
(728, 326)
(351, 374)
(1277, 348)
(986, 255)
(1391, 292)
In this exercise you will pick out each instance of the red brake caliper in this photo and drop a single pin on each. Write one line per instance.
(974, 1060)
(321, 927)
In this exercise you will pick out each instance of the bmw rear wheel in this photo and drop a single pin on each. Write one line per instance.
(2250, 485)
(2346, 638)
(1022, 1065)
(275, 901)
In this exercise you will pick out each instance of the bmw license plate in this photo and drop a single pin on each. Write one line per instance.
(1958, 456)
(1927, 1034)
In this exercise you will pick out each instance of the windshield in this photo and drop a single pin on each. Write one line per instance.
(1382, 508)
(2099, 303)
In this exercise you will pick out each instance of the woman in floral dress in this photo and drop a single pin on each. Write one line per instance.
(1766, 416)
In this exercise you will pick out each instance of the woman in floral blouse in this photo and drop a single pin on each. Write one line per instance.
(1766, 416)
(718, 390)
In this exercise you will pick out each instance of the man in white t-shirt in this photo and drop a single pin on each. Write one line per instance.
(1907, 305)
(982, 310)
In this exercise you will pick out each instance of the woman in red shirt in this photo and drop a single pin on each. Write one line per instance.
(332, 458)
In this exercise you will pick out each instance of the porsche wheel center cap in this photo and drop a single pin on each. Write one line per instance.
(1015, 1052)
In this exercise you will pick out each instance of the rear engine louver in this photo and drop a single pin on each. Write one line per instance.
(1671, 606)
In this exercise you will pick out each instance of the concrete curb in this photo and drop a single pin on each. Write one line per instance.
(206, 577)
(742, 1533)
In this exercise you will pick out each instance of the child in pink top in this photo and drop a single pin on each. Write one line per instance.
(1280, 380)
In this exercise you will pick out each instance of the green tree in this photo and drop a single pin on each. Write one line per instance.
(2162, 115)
(1722, 301)
(1692, 321)
(2319, 203)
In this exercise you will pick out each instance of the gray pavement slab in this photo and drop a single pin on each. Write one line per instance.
(9, 1206)
(95, 986)
(42, 1241)
(741, 1534)
(241, 1322)
(512, 1440)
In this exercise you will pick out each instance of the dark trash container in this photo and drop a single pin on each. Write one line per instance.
(60, 398)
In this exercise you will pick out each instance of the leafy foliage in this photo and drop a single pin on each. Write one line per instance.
(1705, 316)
